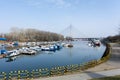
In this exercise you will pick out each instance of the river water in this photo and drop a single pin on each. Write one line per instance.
(79, 54)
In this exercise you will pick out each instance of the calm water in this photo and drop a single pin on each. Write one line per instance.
(79, 54)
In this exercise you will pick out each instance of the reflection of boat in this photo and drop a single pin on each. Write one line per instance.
(10, 59)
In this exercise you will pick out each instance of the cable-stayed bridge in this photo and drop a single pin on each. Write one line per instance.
(75, 33)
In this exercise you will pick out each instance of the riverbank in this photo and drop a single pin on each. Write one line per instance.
(112, 66)
(112, 63)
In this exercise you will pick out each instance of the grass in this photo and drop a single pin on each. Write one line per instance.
(108, 78)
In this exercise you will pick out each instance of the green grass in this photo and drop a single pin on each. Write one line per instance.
(108, 78)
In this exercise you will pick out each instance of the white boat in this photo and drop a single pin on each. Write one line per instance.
(94, 43)
(13, 53)
(36, 48)
(68, 45)
(28, 51)
(48, 48)
(63, 44)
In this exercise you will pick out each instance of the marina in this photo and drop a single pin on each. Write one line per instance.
(59, 39)
(62, 56)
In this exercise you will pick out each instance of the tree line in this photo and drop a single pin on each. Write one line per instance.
(115, 38)
(32, 35)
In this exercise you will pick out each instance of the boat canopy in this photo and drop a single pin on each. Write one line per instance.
(3, 39)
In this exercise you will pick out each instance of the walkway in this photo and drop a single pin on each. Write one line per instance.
(85, 76)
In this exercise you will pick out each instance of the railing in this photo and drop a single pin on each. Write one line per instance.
(2, 76)
(24, 74)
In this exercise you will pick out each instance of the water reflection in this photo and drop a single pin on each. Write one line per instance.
(79, 54)
(10, 59)
(70, 52)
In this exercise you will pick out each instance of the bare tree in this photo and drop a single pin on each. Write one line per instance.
(17, 34)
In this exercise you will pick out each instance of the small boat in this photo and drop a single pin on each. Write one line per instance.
(48, 48)
(28, 51)
(3, 51)
(36, 48)
(58, 46)
(68, 45)
(13, 53)
(94, 43)
(97, 42)
(45, 48)
(52, 48)
(90, 44)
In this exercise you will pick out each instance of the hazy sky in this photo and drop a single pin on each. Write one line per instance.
(91, 18)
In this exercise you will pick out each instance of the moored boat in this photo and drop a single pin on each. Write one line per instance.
(68, 45)
(94, 43)
(13, 53)
(28, 51)
(48, 48)
(36, 48)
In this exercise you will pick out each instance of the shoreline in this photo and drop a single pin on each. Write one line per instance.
(101, 65)
(111, 64)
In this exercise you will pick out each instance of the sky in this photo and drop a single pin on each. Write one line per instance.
(89, 18)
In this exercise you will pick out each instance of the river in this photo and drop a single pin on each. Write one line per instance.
(79, 54)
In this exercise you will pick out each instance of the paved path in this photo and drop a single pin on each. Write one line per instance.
(85, 76)
(109, 68)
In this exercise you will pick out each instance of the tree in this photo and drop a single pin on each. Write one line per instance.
(24, 35)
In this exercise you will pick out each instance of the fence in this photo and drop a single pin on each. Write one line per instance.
(2, 76)
(24, 74)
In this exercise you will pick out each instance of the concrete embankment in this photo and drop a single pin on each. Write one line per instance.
(113, 62)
